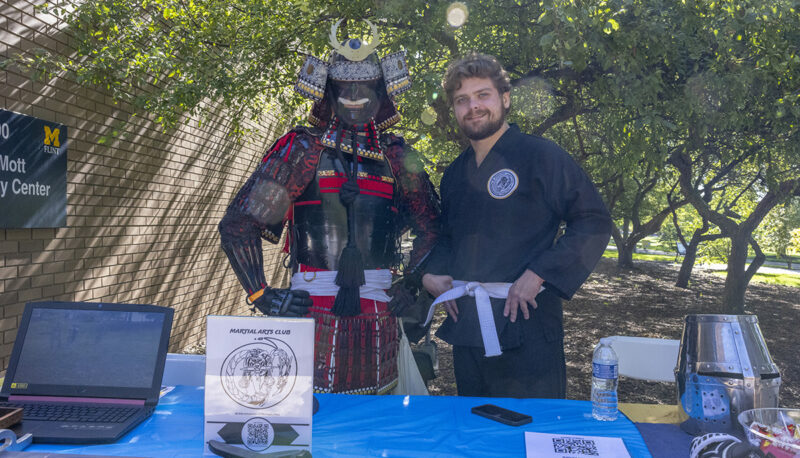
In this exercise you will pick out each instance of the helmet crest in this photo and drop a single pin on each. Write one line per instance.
(354, 49)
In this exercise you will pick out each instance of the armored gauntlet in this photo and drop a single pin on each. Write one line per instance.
(283, 302)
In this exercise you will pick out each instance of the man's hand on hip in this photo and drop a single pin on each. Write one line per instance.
(522, 293)
(437, 285)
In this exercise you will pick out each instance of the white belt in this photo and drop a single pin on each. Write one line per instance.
(481, 292)
(323, 284)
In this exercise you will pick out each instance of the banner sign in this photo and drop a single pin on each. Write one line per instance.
(33, 172)
(259, 383)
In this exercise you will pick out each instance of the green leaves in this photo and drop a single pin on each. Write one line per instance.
(637, 74)
(547, 40)
(545, 19)
(611, 26)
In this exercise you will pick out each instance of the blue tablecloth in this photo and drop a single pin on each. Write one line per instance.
(666, 440)
(391, 426)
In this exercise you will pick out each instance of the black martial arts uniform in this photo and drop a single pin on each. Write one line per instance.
(498, 220)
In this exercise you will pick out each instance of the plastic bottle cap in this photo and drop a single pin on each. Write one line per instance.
(605, 341)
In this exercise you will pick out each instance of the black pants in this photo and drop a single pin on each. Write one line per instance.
(537, 369)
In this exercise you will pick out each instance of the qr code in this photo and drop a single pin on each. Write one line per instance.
(258, 433)
(576, 446)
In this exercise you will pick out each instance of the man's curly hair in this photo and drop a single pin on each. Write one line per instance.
(475, 65)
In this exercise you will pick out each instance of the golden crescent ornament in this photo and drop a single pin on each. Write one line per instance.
(358, 54)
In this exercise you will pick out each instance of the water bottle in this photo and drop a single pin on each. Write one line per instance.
(604, 382)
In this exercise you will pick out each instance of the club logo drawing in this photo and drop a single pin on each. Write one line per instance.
(260, 375)
(502, 183)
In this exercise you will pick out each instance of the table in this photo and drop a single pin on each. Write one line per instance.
(659, 426)
(392, 426)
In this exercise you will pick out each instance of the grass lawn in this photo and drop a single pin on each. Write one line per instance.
(641, 256)
(769, 278)
(774, 279)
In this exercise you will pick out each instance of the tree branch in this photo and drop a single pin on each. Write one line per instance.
(563, 113)
(768, 202)
(681, 161)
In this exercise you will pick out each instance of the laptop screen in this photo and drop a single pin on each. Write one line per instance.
(89, 349)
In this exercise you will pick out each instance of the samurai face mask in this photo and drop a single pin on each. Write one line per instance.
(355, 98)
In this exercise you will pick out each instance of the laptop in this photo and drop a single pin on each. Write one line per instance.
(86, 372)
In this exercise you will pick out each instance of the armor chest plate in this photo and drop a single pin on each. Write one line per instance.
(320, 218)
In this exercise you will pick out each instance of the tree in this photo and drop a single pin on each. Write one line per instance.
(776, 232)
(794, 243)
(741, 142)
(628, 86)
(702, 231)
(642, 199)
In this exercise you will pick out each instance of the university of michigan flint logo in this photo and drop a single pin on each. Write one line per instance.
(51, 141)
(502, 183)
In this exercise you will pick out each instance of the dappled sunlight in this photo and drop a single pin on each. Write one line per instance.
(533, 99)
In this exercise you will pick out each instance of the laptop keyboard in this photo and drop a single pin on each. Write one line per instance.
(72, 412)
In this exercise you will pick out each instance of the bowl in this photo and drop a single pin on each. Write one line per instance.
(773, 430)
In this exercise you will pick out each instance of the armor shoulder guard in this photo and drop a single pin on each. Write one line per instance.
(263, 203)
(296, 142)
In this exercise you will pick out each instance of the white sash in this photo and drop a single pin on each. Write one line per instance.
(323, 284)
(481, 292)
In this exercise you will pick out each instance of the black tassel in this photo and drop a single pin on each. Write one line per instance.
(349, 279)
(351, 268)
(345, 301)
(350, 275)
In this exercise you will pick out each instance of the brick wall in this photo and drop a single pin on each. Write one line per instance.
(142, 207)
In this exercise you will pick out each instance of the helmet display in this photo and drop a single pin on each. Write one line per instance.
(724, 368)
(354, 84)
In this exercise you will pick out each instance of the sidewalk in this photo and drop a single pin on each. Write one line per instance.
(763, 269)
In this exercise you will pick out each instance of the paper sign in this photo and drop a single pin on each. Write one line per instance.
(567, 446)
(259, 382)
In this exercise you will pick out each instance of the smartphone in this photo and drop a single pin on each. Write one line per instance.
(496, 413)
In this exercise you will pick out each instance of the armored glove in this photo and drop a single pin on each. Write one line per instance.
(405, 293)
(411, 304)
(283, 302)
(403, 296)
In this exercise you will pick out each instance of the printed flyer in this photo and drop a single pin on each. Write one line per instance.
(259, 383)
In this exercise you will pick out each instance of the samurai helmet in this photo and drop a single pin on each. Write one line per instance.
(354, 63)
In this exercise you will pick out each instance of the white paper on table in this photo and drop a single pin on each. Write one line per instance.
(543, 445)
(259, 382)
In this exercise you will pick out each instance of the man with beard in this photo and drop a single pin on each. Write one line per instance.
(347, 191)
(504, 200)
